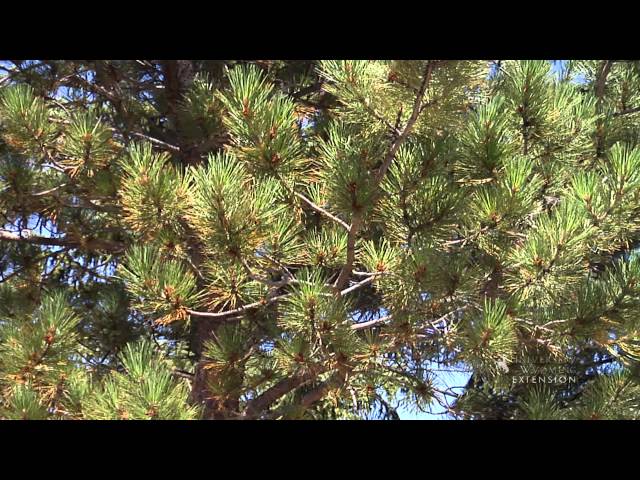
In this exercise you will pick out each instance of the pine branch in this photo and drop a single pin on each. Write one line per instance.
(409, 126)
(90, 245)
(335, 381)
(18, 271)
(453, 315)
(601, 83)
(357, 221)
(88, 270)
(345, 272)
(238, 310)
(155, 141)
(143, 136)
(94, 88)
(182, 374)
(371, 323)
(627, 111)
(602, 78)
(316, 87)
(16, 70)
(322, 211)
(373, 112)
(262, 402)
(49, 191)
(358, 285)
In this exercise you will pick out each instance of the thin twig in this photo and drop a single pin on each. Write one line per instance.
(160, 143)
(358, 285)
(94, 244)
(627, 111)
(47, 192)
(264, 302)
(371, 323)
(236, 311)
(322, 211)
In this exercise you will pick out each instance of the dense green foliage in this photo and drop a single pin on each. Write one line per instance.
(318, 239)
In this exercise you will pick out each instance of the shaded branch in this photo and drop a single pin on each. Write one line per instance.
(262, 402)
(335, 381)
(84, 244)
(627, 111)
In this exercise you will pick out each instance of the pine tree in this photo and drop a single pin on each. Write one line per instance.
(318, 239)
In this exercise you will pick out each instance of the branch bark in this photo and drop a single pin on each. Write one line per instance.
(262, 402)
(336, 380)
(601, 83)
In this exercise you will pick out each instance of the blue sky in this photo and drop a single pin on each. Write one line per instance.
(449, 378)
